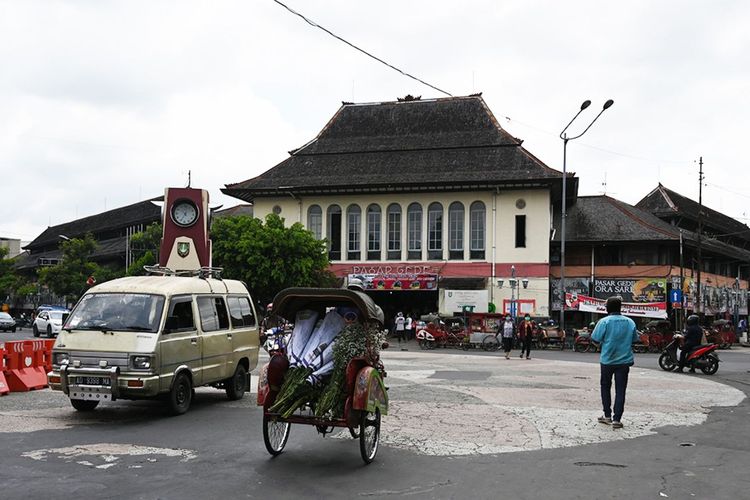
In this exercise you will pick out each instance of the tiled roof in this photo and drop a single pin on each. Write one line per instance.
(143, 212)
(664, 202)
(453, 143)
(602, 218)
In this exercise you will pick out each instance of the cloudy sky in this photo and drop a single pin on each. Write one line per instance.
(105, 103)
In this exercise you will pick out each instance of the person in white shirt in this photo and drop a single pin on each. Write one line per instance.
(400, 325)
(409, 327)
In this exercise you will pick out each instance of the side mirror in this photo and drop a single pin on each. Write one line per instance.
(172, 324)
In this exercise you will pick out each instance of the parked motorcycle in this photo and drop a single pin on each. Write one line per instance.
(704, 357)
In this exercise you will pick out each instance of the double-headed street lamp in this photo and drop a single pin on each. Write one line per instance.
(565, 139)
(514, 285)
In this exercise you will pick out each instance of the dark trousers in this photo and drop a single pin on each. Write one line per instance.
(507, 344)
(620, 373)
(526, 345)
(686, 349)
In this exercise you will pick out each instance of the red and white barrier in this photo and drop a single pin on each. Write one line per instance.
(26, 364)
(4, 389)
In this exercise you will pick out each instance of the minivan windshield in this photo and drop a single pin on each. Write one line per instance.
(117, 311)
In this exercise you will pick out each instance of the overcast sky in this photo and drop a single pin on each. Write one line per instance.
(103, 104)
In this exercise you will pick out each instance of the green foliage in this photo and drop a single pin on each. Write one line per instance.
(145, 247)
(269, 257)
(68, 278)
(12, 283)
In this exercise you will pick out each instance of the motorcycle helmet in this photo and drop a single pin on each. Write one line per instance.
(693, 320)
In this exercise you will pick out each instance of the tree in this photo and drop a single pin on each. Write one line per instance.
(145, 248)
(68, 278)
(269, 257)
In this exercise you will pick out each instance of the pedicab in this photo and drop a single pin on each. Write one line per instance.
(363, 395)
(722, 333)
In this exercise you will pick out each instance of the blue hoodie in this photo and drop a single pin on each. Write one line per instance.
(616, 334)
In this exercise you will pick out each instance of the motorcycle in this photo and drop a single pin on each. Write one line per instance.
(275, 340)
(703, 357)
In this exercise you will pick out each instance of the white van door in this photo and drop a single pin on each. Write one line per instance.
(181, 345)
(217, 338)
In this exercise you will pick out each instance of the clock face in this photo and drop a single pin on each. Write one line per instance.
(184, 213)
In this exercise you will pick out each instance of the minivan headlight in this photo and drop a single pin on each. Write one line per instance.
(60, 358)
(141, 362)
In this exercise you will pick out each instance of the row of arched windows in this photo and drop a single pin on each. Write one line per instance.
(417, 232)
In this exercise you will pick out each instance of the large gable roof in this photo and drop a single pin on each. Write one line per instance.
(138, 213)
(604, 219)
(452, 143)
(664, 202)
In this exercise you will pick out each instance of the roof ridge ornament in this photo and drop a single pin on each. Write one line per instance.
(409, 97)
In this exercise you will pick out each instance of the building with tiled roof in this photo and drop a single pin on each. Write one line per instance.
(433, 188)
(610, 240)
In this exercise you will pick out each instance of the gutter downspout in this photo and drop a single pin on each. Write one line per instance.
(494, 242)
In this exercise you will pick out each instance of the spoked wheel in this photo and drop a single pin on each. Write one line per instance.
(423, 344)
(369, 435)
(275, 434)
(666, 362)
(490, 343)
(580, 347)
(354, 431)
(712, 366)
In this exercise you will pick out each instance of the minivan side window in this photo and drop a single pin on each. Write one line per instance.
(241, 312)
(182, 309)
(213, 313)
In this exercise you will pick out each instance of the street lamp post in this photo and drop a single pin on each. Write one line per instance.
(563, 215)
(515, 291)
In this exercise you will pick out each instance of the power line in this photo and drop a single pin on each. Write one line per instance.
(316, 25)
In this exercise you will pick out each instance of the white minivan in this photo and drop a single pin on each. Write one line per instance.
(156, 336)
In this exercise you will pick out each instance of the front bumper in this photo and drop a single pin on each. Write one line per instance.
(120, 385)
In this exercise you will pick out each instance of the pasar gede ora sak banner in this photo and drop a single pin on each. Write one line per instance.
(657, 310)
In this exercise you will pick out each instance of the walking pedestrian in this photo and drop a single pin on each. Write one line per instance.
(525, 334)
(409, 327)
(400, 329)
(616, 335)
(507, 334)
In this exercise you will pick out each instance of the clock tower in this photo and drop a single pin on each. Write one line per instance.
(185, 243)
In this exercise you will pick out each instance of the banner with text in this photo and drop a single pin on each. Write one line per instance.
(585, 303)
(397, 281)
(632, 290)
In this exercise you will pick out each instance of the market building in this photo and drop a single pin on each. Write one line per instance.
(616, 248)
(429, 203)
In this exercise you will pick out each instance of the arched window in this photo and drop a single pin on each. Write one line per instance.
(374, 232)
(315, 221)
(354, 232)
(456, 230)
(394, 231)
(477, 230)
(435, 231)
(414, 230)
(333, 232)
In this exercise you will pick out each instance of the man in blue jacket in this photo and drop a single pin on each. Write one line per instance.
(616, 334)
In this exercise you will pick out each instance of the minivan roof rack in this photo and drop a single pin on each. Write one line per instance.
(203, 273)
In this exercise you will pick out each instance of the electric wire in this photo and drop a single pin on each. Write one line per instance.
(316, 25)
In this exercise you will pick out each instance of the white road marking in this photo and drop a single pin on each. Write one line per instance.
(106, 455)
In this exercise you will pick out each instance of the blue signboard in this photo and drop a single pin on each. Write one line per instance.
(675, 296)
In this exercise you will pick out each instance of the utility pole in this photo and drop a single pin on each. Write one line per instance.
(699, 304)
(683, 305)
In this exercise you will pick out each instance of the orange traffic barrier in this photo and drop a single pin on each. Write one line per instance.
(43, 353)
(4, 389)
(21, 371)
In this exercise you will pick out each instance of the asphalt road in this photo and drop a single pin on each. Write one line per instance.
(134, 450)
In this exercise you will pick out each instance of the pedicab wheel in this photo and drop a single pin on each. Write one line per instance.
(275, 435)
(580, 347)
(423, 344)
(666, 363)
(369, 435)
(354, 431)
(490, 343)
(712, 366)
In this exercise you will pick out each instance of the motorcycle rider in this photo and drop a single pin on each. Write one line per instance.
(693, 336)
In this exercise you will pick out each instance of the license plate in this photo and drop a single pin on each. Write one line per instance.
(93, 381)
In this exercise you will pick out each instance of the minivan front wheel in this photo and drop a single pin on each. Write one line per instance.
(235, 386)
(181, 394)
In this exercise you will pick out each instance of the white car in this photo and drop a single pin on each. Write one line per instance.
(49, 322)
(7, 323)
